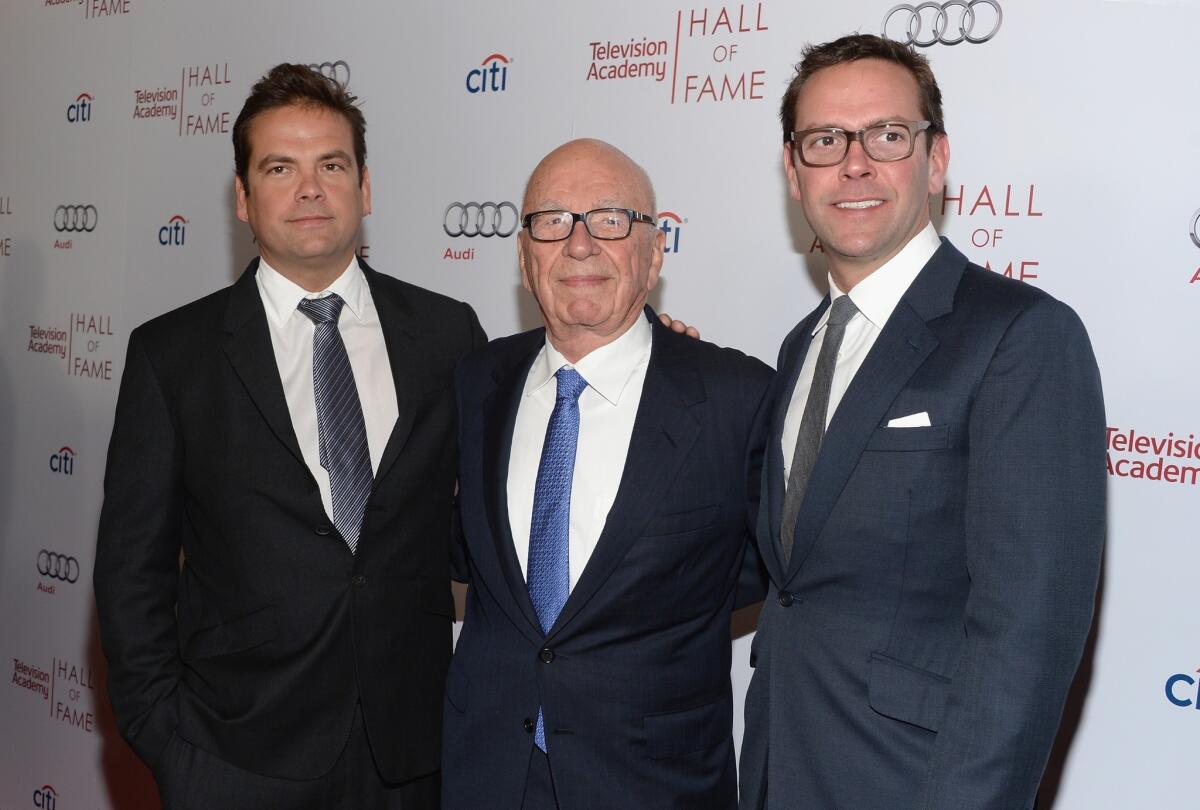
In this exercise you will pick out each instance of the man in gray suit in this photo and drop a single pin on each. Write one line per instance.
(934, 486)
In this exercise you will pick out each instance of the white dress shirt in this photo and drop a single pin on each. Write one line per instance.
(875, 296)
(608, 406)
(292, 338)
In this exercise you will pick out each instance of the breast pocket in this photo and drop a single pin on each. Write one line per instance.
(692, 520)
(913, 439)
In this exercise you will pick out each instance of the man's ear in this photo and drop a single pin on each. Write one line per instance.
(789, 168)
(939, 161)
(523, 260)
(365, 185)
(240, 194)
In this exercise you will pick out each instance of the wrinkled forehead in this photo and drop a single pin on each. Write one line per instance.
(582, 177)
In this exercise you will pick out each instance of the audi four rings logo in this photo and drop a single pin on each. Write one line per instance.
(58, 566)
(480, 219)
(1195, 229)
(948, 23)
(76, 218)
(339, 71)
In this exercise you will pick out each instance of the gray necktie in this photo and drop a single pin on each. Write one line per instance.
(341, 430)
(812, 423)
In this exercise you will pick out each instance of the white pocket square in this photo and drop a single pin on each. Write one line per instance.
(912, 420)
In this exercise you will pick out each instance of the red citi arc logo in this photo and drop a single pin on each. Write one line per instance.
(174, 232)
(79, 111)
(45, 797)
(491, 76)
(671, 224)
(63, 462)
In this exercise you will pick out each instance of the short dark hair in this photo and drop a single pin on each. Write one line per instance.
(286, 85)
(852, 48)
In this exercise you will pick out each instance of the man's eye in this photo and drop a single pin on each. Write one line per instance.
(333, 167)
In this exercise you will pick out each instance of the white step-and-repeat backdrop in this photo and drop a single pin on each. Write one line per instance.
(1074, 135)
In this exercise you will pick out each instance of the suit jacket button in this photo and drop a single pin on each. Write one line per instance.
(546, 655)
(786, 598)
(358, 580)
(322, 530)
(529, 726)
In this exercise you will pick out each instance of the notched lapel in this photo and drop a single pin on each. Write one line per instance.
(664, 431)
(903, 345)
(407, 362)
(499, 418)
(247, 344)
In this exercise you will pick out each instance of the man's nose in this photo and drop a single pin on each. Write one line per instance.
(580, 244)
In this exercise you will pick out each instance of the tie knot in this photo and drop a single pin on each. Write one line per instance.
(842, 311)
(322, 310)
(570, 383)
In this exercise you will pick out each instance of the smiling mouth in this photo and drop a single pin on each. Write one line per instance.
(858, 205)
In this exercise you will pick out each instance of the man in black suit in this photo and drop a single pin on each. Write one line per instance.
(603, 475)
(294, 436)
(934, 484)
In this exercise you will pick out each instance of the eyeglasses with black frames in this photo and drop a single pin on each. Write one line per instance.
(601, 223)
(828, 146)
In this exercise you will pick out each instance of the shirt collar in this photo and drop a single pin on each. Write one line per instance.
(281, 295)
(607, 369)
(879, 293)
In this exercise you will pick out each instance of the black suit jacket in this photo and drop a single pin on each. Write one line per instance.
(634, 675)
(917, 650)
(259, 645)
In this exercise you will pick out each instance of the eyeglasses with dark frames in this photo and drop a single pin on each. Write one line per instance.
(828, 146)
(601, 223)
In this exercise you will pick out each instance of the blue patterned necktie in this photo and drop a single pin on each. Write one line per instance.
(549, 575)
(341, 430)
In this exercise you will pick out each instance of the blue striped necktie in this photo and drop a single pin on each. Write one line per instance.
(340, 427)
(548, 575)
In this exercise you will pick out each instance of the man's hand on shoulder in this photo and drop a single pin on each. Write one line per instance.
(678, 326)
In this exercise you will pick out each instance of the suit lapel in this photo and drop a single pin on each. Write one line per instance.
(899, 350)
(407, 363)
(499, 418)
(903, 345)
(664, 431)
(247, 344)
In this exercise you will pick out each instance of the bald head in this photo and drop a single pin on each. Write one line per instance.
(583, 158)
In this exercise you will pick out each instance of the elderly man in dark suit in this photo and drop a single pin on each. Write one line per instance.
(604, 502)
(294, 436)
(933, 493)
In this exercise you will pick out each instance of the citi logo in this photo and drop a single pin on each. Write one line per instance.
(1181, 691)
(45, 797)
(80, 110)
(174, 232)
(491, 76)
(63, 462)
(671, 224)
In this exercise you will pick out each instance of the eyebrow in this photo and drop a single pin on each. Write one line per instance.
(554, 205)
(888, 119)
(287, 159)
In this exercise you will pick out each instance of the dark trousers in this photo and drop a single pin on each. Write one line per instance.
(193, 779)
(539, 783)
